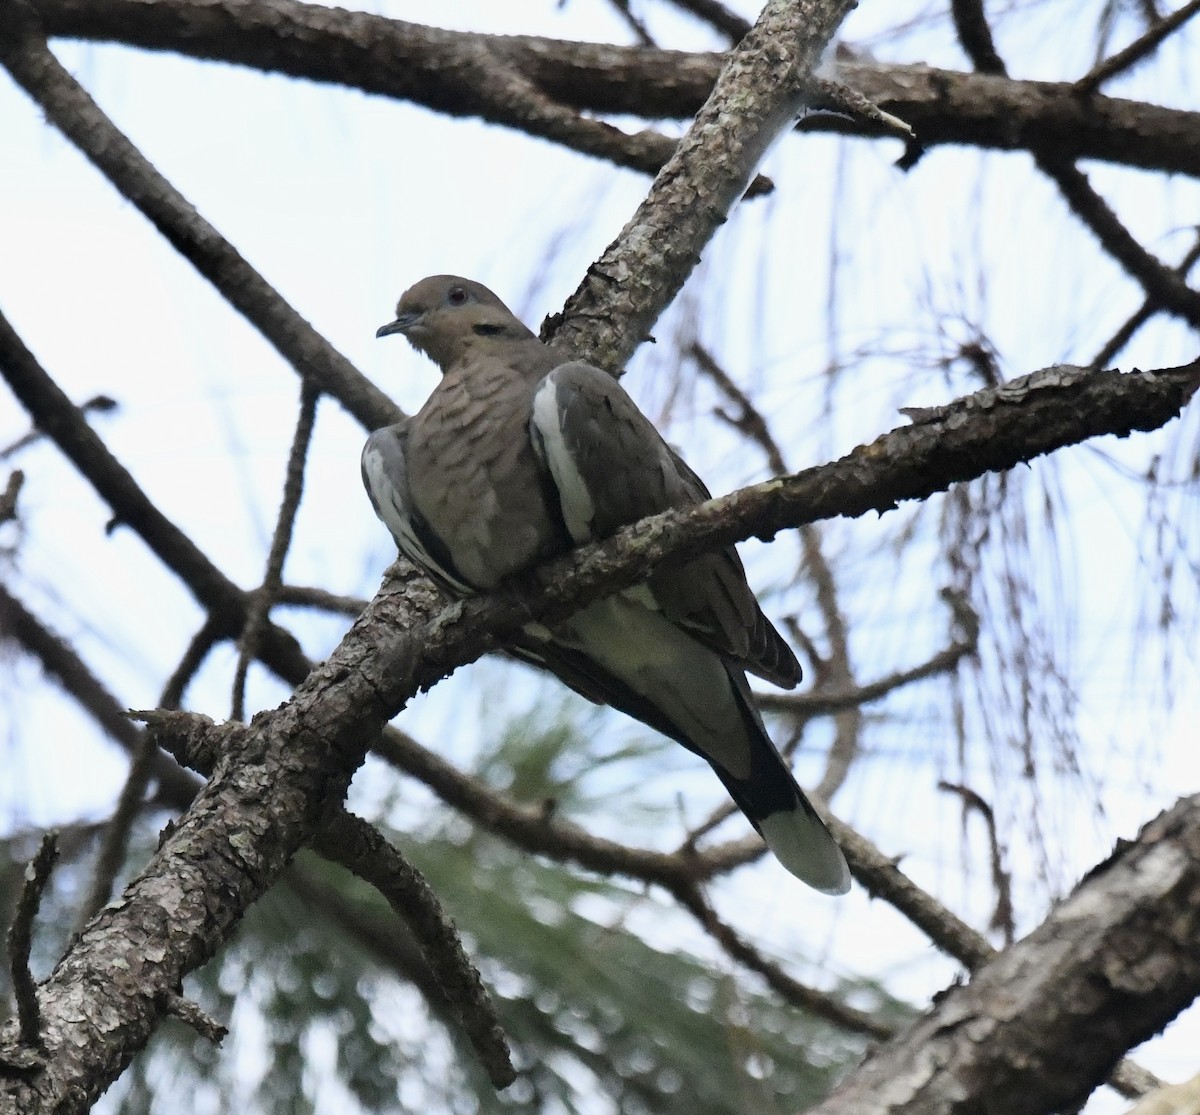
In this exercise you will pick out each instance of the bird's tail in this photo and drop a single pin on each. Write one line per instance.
(778, 809)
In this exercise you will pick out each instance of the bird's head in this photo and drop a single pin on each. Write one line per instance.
(444, 316)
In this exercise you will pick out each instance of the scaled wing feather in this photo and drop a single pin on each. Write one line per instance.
(611, 467)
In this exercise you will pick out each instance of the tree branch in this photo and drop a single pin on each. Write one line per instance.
(1162, 285)
(63, 422)
(23, 51)
(1108, 968)
(1136, 51)
(975, 36)
(20, 940)
(760, 90)
(262, 599)
(790, 990)
(399, 60)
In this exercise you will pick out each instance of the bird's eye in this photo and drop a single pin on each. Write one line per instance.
(457, 296)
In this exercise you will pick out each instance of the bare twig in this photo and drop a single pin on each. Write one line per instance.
(805, 998)
(20, 941)
(8, 498)
(52, 411)
(836, 96)
(1161, 284)
(305, 596)
(1136, 51)
(748, 421)
(762, 87)
(834, 669)
(632, 22)
(824, 702)
(1148, 309)
(61, 662)
(259, 610)
(1002, 917)
(211, 632)
(99, 404)
(883, 879)
(120, 825)
(717, 16)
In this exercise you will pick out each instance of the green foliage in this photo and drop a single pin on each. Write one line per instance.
(332, 1008)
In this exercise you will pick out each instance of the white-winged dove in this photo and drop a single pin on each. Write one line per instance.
(516, 457)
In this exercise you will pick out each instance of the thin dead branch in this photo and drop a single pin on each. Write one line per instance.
(1161, 284)
(259, 610)
(20, 942)
(1137, 51)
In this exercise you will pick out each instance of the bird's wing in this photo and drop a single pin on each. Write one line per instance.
(611, 467)
(385, 476)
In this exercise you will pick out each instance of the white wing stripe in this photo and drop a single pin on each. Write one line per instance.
(578, 511)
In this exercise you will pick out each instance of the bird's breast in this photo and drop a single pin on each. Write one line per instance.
(476, 482)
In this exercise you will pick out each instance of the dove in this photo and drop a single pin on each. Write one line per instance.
(520, 454)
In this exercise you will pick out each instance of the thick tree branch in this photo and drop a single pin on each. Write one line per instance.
(401, 60)
(343, 839)
(1107, 969)
(761, 88)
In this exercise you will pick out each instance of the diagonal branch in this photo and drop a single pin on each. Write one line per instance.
(818, 1003)
(975, 36)
(343, 839)
(761, 88)
(263, 598)
(1142, 314)
(53, 412)
(1162, 285)
(1136, 51)
(717, 16)
(23, 51)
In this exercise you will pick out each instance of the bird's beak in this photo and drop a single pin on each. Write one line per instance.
(402, 324)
